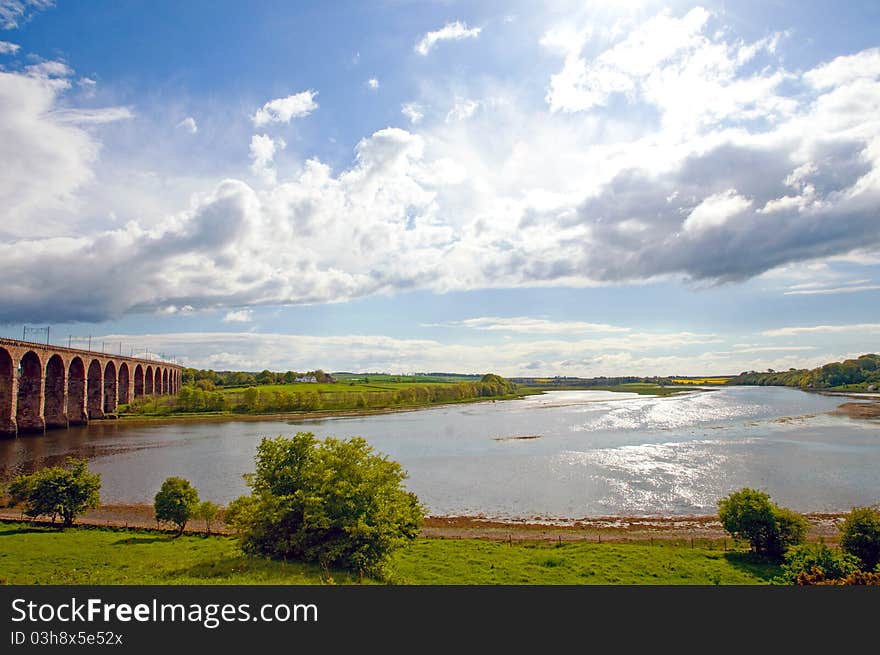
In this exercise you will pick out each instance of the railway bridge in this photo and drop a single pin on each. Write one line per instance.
(44, 386)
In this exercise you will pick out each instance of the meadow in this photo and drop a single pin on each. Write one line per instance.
(91, 556)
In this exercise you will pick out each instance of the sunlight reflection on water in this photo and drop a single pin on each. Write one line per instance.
(594, 453)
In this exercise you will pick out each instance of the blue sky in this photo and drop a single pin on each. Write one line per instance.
(595, 188)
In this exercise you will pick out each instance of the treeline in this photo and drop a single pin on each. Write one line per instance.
(862, 372)
(208, 379)
(254, 400)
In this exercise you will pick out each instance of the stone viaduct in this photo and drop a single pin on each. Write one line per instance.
(44, 386)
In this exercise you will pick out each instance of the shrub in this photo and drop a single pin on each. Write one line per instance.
(335, 502)
(860, 536)
(748, 514)
(176, 502)
(207, 511)
(816, 563)
(58, 491)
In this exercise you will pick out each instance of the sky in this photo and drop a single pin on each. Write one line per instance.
(531, 189)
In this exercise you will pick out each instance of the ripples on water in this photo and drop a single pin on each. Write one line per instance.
(599, 453)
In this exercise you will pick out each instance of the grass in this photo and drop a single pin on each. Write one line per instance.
(91, 556)
(715, 380)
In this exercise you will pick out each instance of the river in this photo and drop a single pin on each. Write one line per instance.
(592, 453)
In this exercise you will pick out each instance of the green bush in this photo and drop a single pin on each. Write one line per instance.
(207, 512)
(748, 514)
(860, 536)
(814, 563)
(57, 491)
(335, 502)
(176, 502)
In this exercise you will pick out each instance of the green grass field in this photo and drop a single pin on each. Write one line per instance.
(91, 556)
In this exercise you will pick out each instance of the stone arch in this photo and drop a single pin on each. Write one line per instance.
(55, 404)
(111, 388)
(157, 384)
(149, 379)
(29, 416)
(7, 394)
(165, 384)
(138, 381)
(124, 384)
(95, 397)
(76, 393)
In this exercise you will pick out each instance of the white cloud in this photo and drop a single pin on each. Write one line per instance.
(189, 124)
(413, 111)
(462, 109)
(358, 352)
(529, 325)
(864, 65)
(14, 13)
(856, 288)
(715, 210)
(46, 159)
(449, 32)
(282, 110)
(771, 349)
(7, 48)
(372, 84)
(822, 329)
(240, 316)
(262, 152)
(513, 197)
(93, 116)
(49, 69)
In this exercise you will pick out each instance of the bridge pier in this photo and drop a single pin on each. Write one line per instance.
(44, 386)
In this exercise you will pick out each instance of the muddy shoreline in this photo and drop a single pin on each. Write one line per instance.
(601, 528)
(869, 408)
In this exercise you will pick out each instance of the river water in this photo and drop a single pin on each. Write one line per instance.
(596, 453)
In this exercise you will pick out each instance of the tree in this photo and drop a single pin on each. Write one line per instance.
(860, 536)
(748, 514)
(206, 511)
(175, 502)
(58, 491)
(335, 502)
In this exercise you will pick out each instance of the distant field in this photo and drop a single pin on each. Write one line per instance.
(347, 377)
(715, 381)
(641, 388)
(38, 555)
(332, 388)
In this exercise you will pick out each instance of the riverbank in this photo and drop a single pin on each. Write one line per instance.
(307, 415)
(603, 528)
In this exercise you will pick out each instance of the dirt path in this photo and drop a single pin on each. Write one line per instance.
(606, 528)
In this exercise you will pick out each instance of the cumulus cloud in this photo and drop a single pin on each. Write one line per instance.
(240, 316)
(47, 156)
(449, 32)
(262, 152)
(282, 110)
(7, 48)
(734, 175)
(413, 111)
(15, 13)
(189, 124)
